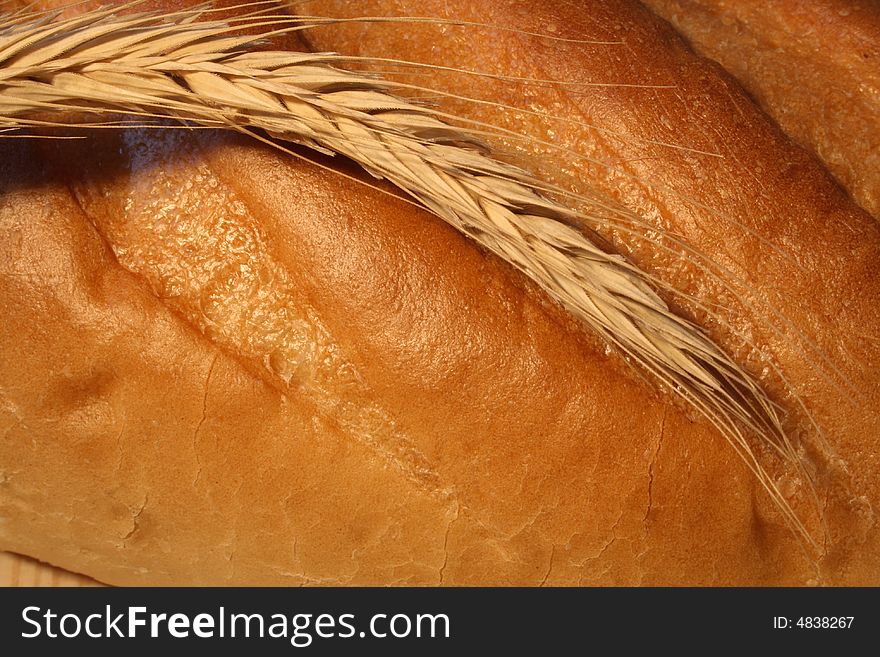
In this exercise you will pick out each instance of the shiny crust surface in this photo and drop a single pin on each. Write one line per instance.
(223, 365)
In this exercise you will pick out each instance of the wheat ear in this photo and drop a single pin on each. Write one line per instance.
(173, 66)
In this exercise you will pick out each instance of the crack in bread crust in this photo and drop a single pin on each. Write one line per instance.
(169, 219)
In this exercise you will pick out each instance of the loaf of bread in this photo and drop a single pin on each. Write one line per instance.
(221, 364)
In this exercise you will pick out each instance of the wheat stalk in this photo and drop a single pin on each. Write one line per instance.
(173, 66)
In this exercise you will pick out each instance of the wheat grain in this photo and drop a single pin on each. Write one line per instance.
(202, 71)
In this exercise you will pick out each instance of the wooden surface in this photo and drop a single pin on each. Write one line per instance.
(16, 570)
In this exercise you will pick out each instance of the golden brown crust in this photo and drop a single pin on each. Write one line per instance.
(221, 365)
(498, 422)
(814, 66)
(770, 221)
(136, 451)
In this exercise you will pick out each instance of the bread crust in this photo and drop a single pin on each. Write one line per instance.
(692, 155)
(812, 65)
(223, 365)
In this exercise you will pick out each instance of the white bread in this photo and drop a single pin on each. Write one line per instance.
(222, 365)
